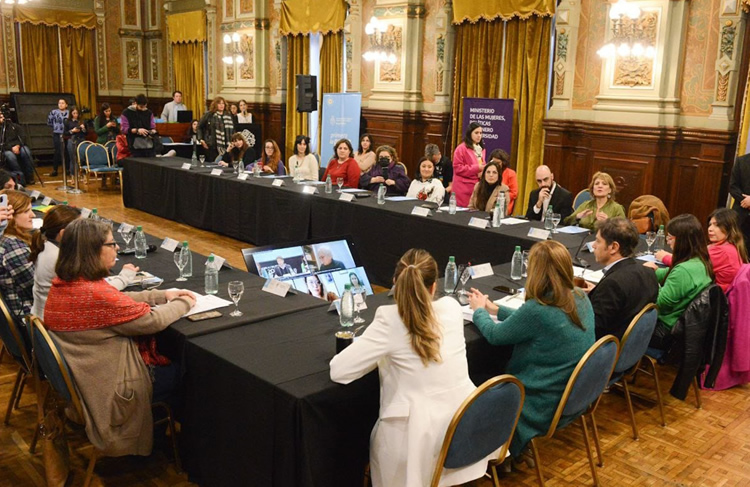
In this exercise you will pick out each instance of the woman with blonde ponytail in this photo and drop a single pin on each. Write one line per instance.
(418, 347)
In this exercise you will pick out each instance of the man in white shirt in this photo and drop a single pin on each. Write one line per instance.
(548, 193)
(170, 109)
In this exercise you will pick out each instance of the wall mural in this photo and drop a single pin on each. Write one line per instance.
(440, 71)
(393, 37)
(247, 69)
(632, 71)
(246, 6)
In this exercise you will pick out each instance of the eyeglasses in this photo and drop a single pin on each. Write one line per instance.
(110, 244)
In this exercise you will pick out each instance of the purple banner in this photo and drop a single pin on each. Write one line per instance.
(495, 115)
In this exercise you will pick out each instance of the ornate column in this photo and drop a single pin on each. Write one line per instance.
(353, 35)
(566, 47)
(398, 86)
(444, 47)
(154, 48)
(211, 62)
(731, 33)
(131, 43)
(11, 81)
(101, 47)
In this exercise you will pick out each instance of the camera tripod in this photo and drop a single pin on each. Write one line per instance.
(65, 188)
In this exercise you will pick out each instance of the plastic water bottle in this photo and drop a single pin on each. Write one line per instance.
(452, 204)
(516, 264)
(329, 185)
(211, 278)
(346, 317)
(499, 212)
(94, 215)
(451, 276)
(381, 194)
(141, 246)
(188, 270)
(661, 240)
(194, 159)
(548, 225)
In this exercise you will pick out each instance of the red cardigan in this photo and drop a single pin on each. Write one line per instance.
(349, 170)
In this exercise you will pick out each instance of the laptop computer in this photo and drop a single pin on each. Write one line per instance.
(184, 116)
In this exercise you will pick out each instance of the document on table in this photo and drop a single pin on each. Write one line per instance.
(514, 301)
(513, 221)
(591, 276)
(206, 303)
(469, 314)
(400, 198)
(353, 190)
(572, 229)
(447, 208)
(650, 258)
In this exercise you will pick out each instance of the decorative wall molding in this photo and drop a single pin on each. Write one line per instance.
(9, 42)
(101, 46)
(130, 14)
(353, 29)
(728, 61)
(566, 50)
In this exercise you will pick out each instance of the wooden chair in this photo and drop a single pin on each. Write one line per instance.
(581, 397)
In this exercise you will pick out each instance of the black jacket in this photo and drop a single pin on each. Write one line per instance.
(700, 339)
(561, 201)
(12, 135)
(622, 293)
(739, 184)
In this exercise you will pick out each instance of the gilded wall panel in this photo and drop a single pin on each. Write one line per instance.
(588, 64)
(699, 71)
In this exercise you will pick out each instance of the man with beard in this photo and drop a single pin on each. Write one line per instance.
(549, 193)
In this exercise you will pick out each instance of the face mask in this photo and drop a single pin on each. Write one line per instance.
(384, 161)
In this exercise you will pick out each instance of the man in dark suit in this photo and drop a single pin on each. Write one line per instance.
(627, 286)
(739, 188)
(282, 269)
(549, 193)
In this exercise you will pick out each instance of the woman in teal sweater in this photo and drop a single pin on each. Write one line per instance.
(600, 207)
(551, 331)
(689, 274)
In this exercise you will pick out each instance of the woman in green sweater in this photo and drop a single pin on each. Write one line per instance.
(600, 207)
(105, 125)
(551, 331)
(690, 273)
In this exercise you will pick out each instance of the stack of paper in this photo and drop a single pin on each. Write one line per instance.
(514, 301)
(591, 276)
(207, 303)
(469, 314)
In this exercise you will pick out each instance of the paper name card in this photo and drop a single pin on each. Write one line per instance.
(346, 197)
(278, 182)
(279, 288)
(85, 213)
(481, 270)
(125, 228)
(169, 244)
(590, 247)
(419, 211)
(243, 176)
(186, 165)
(46, 201)
(35, 194)
(478, 222)
(218, 261)
(538, 233)
(216, 172)
(309, 190)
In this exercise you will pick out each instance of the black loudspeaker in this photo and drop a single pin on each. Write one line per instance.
(307, 93)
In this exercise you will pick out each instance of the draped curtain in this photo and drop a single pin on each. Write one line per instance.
(297, 62)
(187, 34)
(40, 42)
(79, 66)
(331, 70)
(523, 67)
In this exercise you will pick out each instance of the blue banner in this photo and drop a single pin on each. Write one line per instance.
(340, 121)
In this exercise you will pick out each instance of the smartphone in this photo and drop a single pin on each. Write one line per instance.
(3, 202)
(207, 315)
(505, 289)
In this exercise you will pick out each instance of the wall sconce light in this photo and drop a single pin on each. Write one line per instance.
(381, 45)
(232, 45)
(628, 40)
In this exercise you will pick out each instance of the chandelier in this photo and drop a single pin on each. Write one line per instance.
(232, 43)
(381, 45)
(19, 2)
(628, 39)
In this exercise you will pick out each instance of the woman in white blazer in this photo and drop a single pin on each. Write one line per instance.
(419, 349)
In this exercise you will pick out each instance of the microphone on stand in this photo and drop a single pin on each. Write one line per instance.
(577, 260)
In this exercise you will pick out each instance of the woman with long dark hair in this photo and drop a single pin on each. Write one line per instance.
(689, 273)
(303, 164)
(418, 347)
(550, 333)
(469, 159)
(365, 155)
(507, 176)
(75, 131)
(16, 270)
(240, 152)
(488, 189)
(105, 125)
(215, 129)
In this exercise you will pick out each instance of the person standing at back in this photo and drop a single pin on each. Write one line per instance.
(469, 160)
(169, 114)
(56, 120)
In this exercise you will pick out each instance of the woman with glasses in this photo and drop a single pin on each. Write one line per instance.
(107, 338)
(689, 272)
(386, 171)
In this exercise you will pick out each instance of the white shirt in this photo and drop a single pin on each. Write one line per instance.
(170, 111)
(245, 118)
(307, 167)
(545, 203)
(432, 186)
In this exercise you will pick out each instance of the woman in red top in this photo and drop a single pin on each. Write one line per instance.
(727, 249)
(509, 177)
(343, 165)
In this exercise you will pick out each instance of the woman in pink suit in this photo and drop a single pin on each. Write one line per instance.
(468, 162)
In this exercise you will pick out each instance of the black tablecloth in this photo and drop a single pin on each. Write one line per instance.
(256, 212)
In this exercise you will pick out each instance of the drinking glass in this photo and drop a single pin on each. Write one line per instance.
(180, 260)
(463, 279)
(236, 165)
(202, 158)
(650, 239)
(525, 255)
(555, 219)
(127, 236)
(236, 288)
(361, 291)
(340, 182)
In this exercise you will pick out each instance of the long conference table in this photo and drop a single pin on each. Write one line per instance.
(259, 406)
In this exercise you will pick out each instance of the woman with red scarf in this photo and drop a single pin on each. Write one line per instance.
(107, 339)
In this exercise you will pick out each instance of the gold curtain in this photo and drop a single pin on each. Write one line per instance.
(79, 66)
(473, 10)
(308, 16)
(54, 17)
(40, 42)
(478, 57)
(297, 62)
(187, 27)
(188, 75)
(331, 71)
(526, 74)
